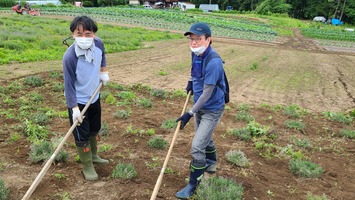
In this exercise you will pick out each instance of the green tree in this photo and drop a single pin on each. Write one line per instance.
(273, 6)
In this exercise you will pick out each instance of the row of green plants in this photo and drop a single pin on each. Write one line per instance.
(173, 20)
(329, 34)
(28, 39)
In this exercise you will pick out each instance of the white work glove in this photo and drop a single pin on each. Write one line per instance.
(104, 77)
(76, 115)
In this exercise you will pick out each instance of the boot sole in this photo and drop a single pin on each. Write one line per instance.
(211, 169)
(89, 178)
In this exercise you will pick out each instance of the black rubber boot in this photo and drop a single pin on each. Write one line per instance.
(196, 175)
(211, 160)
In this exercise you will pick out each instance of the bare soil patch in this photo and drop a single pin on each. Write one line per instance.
(290, 71)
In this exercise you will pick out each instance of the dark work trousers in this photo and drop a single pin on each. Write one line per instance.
(90, 126)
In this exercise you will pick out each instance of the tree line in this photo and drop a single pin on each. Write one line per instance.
(299, 9)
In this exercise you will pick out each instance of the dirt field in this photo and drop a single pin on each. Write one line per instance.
(289, 71)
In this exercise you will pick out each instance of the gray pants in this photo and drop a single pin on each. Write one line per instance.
(205, 123)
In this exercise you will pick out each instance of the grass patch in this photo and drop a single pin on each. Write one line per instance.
(244, 116)
(124, 171)
(34, 81)
(157, 142)
(122, 114)
(310, 196)
(158, 93)
(298, 125)
(294, 111)
(145, 102)
(304, 168)
(4, 191)
(24, 44)
(218, 188)
(348, 133)
(169, 124)
(304, 143)
(338, 117)
(237, 158)
(243, 134)
(35, 132)
(42, 151)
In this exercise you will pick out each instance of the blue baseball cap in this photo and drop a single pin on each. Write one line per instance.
(199, 28)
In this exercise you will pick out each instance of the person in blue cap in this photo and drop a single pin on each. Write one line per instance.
(207, 84)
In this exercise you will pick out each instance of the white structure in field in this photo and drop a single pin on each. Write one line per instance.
(43, 2)
(209, 7)
(186, 5)
(133, 2)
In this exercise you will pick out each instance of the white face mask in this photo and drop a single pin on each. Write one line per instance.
(199, 50)
(84, 42)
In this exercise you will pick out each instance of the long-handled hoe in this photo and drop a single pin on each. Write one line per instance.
(160, 178)
(50, 161)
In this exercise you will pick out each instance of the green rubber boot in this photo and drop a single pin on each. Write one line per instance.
(95, 156)
(88, 167)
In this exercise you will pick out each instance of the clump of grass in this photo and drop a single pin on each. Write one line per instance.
(116, 86)
(304, 143)
(14, 137)
(257, 129)
(124, 171)
(347, 133)
(62, 155)
(110, 99)
(158, 93)
(244, 116)
(146, 103)
(242, 134)
(104, 94)
(157, 142)
(65, 196)
(254, 66)
(293, 111)
(178, 93)
(243, 107)
(127, 96)
(168, 124)
(305, 168)
(42, 151)
(40, 118)
(59, 176)
(35, 132)
(122, 114)
(338, 117)
(150, 132)
(57, 87)
(54, 74)
(237, 158)
(298, 125)
(105, 148)
(35, 97)
(352, 113)
(219, 188)
(313, 197)
(105, 130)
(163, 73)
(35, 81)
(4, 192)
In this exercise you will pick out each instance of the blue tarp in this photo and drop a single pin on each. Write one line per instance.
(336, 21)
